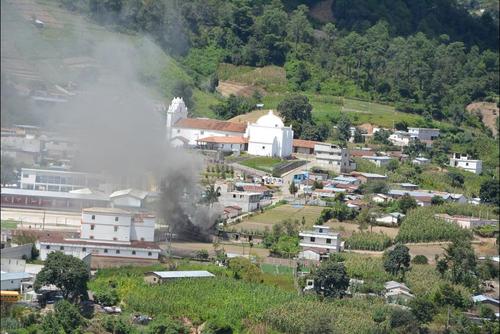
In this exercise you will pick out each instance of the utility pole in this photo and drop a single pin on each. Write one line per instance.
(43, 221)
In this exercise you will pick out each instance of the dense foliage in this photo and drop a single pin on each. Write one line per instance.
(420, 224)
(428, 70)
(368, 241)
(66, 272)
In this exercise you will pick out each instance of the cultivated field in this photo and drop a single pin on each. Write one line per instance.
(260, 221)
(346, 229)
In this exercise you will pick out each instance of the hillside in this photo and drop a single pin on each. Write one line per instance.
(65, 54)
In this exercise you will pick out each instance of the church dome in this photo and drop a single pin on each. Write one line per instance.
(270, 120)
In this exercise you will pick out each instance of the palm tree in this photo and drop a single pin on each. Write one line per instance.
(212, 194)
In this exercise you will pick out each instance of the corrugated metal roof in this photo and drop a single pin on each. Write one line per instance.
(183, 274)
(140, 194)
(53, 194)
(13, 276)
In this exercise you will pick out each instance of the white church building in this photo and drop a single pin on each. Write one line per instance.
(266, 137)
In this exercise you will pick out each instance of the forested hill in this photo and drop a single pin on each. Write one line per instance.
(419, 72)
(432, 17)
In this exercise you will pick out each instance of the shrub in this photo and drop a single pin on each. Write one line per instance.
(420, 259)
(167, 326)
(368, 241)
(116, 325)
(106, 297)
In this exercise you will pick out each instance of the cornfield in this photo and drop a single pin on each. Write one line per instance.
(368, 241)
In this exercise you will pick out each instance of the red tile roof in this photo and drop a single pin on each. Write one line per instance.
(304, 143)
(360, 153)
(224, 140)
(257, 189)
(210, 124)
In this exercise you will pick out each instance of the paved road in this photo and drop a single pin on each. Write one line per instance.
(38, 219)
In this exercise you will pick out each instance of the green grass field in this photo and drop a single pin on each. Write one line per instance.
(276, 269)
(265, 164)
(260, 221)
(9, 224)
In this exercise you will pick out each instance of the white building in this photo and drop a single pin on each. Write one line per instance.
(14, 280)
(128, 198)
(424, 134)
(462, 161)
(107, 232)
(269, 137)
(400, 138)
(57, 180)
(319, 243)
(333, 157)
(420, 161)
(379, 161)
(247, 201)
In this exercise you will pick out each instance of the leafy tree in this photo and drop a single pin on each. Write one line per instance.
(344, 128)
(286, 246)
(461, 261)
(401, 126)
(420, 259)
(296, 110)
(212, 194)
(331, 279)
(382, 137)
(232, 106)
(404, 321)
(293, 189)
(65, 319)
(358, 136)
(107, 297)
(117, 325)
(437, 200)
(406, 202)
(442, 266)
(415, 148)
(202, 254)
(242, 268)
(67, 272)
(490, 192)
(397, 261)
(456, 179)
(299, 29)
(317, 184)
(423, 309)
(392, 165)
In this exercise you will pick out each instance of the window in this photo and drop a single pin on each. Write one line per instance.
(234, 195)
(91, 237)
(61, 248)
(93, 217)
(263, 147)
(47, 247)
(105, 250)
(84, 249)
(467, 164)
(116, 219)
(117, 251)
(313, 239)
(328, 241)
(301, 237)
(133, 252)
(149, 253)
(26, 175)
(320, 230)
(116, 228)
(92, 227)
(202, 132)
(114, 239)
(142, 239)
(178, 131)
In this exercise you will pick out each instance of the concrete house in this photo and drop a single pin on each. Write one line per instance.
(378, 161)
(108, 233)
(333, 157)
(319, 243)
(397, 293)
(463, 161)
